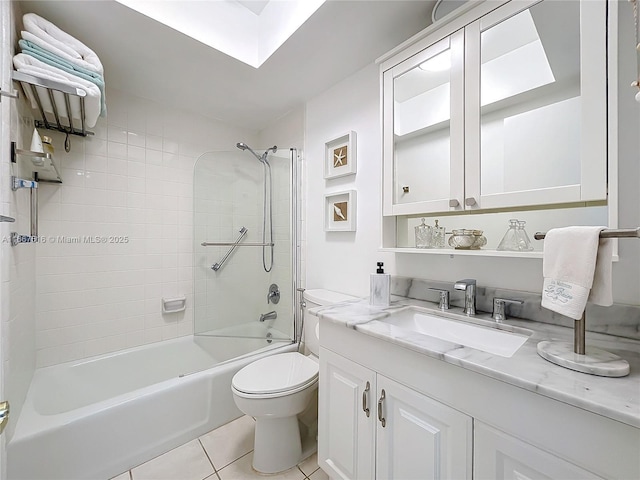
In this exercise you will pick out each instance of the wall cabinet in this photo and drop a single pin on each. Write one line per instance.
(501, 107)
(371, 426)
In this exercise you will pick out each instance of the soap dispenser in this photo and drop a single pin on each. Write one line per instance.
(380, 287)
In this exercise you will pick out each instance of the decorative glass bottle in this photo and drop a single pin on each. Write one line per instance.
(423, 235)
(437, 236)
(509, 241)
(524, 242)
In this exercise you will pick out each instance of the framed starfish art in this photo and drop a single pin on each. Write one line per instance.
(340, 156)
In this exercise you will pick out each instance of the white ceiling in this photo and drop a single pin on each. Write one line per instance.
(148, 59)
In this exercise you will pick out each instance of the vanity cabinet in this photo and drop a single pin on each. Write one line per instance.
(500, 107)
(445, 421)
(371, 426)
(499, 455)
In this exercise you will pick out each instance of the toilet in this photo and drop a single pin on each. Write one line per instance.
(276, 389)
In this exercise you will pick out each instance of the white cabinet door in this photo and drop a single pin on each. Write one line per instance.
(421, 438)
(424, 130)
(346, 431)
(535, 99)
(498, 456)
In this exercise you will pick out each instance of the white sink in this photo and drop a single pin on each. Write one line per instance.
(486, 338)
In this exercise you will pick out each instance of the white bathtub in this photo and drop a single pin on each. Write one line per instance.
(96, 418)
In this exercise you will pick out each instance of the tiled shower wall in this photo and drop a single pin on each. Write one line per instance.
(17, 277)
(117, 235)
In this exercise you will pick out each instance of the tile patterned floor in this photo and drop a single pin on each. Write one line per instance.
(222, 454)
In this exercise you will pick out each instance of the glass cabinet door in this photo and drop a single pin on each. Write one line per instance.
(536, 120)
(423, 111)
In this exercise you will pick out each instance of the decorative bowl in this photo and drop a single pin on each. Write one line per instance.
(464, 239)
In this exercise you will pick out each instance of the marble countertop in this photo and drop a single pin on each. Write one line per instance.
(615, 398)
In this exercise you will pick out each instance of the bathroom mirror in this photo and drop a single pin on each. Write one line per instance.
(530, 105)
(422, 127)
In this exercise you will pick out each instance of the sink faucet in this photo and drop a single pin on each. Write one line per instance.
(268, 316)
(469, 287)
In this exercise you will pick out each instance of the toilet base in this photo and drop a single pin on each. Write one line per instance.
(277, 444)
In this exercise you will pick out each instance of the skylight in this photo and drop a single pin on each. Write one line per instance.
(247, 30)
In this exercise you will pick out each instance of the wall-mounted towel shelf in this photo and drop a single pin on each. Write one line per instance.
(41, 163)
(578, 357)
(53, 101)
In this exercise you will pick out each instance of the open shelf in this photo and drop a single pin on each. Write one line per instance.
(53, 100)
(482, 252)
(38, 162)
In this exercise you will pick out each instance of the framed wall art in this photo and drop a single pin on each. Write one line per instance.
(340, 211)
(340, 156)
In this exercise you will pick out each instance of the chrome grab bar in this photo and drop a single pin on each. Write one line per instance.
(217, 266)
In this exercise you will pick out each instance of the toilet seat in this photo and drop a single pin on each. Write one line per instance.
(276, 376)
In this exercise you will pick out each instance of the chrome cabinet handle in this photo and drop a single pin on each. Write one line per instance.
(4, 415)
(365, 394)
(380, 417)
(453, 203)
(470, 202)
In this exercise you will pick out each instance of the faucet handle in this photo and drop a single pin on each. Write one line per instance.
(499, 308)
(444, 297)
(464, 283)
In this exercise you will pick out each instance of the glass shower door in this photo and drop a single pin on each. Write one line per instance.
(234, 295)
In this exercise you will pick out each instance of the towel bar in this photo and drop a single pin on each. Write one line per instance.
(607, 233)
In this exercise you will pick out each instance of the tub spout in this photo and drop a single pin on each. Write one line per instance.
(268, 316)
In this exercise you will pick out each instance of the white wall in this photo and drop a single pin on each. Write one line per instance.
(133, 179)
(343, 261)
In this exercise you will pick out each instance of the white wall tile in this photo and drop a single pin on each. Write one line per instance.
(128, 180)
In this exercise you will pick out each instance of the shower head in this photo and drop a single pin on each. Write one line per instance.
(261, 159)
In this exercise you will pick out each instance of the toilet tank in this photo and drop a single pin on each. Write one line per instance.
(313, 298)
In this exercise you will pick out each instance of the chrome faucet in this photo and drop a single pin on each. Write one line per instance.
(268, 316)
(469, 287)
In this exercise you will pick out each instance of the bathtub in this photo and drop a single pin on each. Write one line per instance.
(96, 418)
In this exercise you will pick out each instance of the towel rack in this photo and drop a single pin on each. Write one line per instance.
(32, 84)
(593, 361)
(607, 233)
(217, 266)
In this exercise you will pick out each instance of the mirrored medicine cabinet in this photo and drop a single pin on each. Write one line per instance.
(498, 113)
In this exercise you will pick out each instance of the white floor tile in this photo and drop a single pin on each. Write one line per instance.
(187, 462)
(229, 442)
(309, 465)
(241, 470)
(319, 475)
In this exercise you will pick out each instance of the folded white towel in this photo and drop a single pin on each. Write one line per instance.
(60, 42)
(30, 65)
(576, 269)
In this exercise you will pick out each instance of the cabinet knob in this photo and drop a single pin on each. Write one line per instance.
(405, 189)
(470, 202)
(453, 203)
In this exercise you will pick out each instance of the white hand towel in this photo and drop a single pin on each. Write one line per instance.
(576, 269)
(61, 43)
(30, 65)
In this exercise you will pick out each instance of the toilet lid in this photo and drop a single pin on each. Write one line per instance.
(276, 373)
